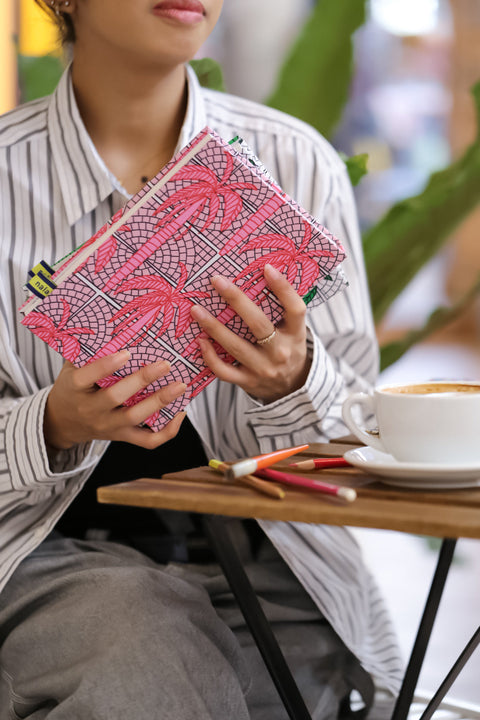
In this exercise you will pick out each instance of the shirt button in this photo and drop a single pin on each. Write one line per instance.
(39, 532)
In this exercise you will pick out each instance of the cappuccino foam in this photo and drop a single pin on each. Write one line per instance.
(433, 388)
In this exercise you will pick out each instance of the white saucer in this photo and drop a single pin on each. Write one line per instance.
(413, 475)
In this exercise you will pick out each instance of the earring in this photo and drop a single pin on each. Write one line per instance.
(56, 6)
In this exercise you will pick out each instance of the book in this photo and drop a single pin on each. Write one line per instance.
(213, 209)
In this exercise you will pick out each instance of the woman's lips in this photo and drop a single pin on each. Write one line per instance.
(188, 12)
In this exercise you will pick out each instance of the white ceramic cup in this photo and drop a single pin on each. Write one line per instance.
(425, 422)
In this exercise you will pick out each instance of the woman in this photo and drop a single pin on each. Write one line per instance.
(92, 628)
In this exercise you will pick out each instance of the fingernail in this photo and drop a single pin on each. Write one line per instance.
(163, 365)
(270, 270)
(219, 282)
(198, 312)
(179, 389)
(123, 354)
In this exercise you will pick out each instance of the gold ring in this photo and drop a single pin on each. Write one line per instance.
(265, 340)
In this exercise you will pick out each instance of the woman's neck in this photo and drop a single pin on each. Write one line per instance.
(134, 121)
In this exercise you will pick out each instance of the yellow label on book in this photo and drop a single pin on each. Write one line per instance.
(40, 285)
(42, 268)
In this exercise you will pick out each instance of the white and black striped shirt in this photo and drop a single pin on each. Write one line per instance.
(55, 192)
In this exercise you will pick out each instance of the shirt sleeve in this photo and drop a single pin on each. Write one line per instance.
(341, 340)
(24, 462)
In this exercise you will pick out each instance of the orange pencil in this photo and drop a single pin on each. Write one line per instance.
(251, 465)
(261, 485)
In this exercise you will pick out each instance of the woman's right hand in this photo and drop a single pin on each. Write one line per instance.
(77, 410)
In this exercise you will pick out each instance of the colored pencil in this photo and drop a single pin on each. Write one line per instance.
(345, 493)
(266, 488)
(251, 465)
(317, 463)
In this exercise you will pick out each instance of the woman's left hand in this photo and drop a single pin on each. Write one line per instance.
(267, 370)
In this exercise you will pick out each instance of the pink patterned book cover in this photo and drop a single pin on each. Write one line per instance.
(212, 210)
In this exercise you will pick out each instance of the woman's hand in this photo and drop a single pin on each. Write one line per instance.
(78, 410)
(269, 370)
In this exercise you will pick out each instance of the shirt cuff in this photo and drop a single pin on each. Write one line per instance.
(296, 418)
(26, 451)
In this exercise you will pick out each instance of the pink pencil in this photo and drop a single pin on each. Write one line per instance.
(288, 479)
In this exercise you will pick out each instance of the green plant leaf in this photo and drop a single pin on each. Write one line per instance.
(38, 76)
(356, 166)
(209, 73)
(391, 352)
(314, 80)
(413, 230)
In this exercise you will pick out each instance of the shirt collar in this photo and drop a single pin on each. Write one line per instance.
(195, 116)
(84, 179)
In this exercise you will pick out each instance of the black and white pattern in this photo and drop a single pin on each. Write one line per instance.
(55, 193)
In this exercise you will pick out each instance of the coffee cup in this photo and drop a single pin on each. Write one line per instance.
(425, 422)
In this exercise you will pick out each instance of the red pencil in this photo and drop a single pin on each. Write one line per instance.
(315, 463)
(251, 465)
(288, 479)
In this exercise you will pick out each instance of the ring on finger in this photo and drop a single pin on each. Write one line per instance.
(268, 338)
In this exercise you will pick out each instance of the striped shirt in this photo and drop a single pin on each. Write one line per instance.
(55, 193)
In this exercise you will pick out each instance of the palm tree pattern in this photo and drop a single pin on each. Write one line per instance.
(285, 256)
(208, 212)
(59, 337)
(209, 191)
(143, 310)
(200, 190)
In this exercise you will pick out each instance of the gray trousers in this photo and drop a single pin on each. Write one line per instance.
(98, 631)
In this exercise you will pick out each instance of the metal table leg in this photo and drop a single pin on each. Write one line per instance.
(217, 532)
(417, 655)
(457, 667)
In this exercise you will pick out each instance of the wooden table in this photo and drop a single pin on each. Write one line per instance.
(448, 514)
